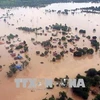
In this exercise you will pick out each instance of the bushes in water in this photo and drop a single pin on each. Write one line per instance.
(42, 55)
(19, 47)
(10, 74)
(90, 51)
(64, 33)
(32, 39)
(46, 53)
(62, 53)
(37, 52)
(58, 57)
(26, 29)
(11, 36)
(63, 38)
(61, 27)
(83, 51)
(46, 43)
(91, 72)
(53, 59)
(13, 68)
(62, 96)
(82, 31)
(97, 97)
(77, 54)
(96, 44)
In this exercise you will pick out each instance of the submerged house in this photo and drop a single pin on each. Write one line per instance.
(19, 67)
(19, 57)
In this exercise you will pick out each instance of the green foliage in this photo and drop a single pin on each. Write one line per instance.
(62, 53)
(60, 27)
(11, 36)
(64, 33)
(91, 72)
(58, 57)
(19, 47)
(12, 68)
(32, 39)
(63, 38)
(90, 51)
(69, 98)
(26, 29)
(91, 79)
(82, 31)
(97, 97)
(25, 48)
(59, 43)
(82, 92)
(96, 44)
(62, 95)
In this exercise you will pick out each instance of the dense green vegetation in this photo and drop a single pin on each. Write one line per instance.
(27, 29)
(31, 3)
(91, 8)
(97, 97)
(62, 96)
(61, 27)
(92, 78)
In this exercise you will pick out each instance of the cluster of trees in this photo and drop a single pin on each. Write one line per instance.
(91, 8)
(61, 27)
(58, 56)
(46, 43)
(97, 97)
(62, 96)
(22, 46)
(89, 11)
(83, 51)
(13, 69)
(11, 36)
(92, 78)
(95, 43)
(59, 11)
(27, 29)
(82, 31)
(63, 12)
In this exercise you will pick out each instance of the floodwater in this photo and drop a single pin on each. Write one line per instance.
(33, 17)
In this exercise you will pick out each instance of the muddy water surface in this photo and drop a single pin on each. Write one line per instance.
(33, 17)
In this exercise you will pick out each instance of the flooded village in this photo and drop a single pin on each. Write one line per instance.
(58, 42)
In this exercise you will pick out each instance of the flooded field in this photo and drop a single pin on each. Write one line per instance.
(37, 17)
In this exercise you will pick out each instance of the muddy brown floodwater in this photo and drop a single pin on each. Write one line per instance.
(32, 17)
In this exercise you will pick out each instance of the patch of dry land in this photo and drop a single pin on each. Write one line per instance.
(53, 50)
